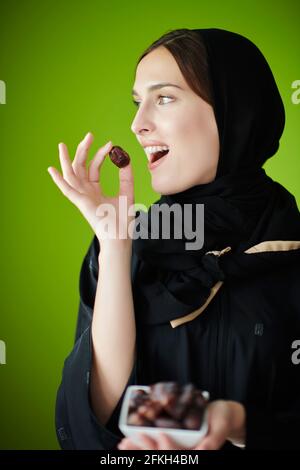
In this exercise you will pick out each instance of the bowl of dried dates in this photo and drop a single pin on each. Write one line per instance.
(179, 411)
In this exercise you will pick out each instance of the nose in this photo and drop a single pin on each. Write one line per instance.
(141, 123)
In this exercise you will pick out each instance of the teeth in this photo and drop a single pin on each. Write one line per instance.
(150, 150)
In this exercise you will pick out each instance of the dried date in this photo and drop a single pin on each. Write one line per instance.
(119, 157)
(168, 405)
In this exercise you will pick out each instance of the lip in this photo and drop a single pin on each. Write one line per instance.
(152, 166)
(152, 143)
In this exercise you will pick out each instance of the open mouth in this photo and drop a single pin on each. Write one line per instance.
(157, 155)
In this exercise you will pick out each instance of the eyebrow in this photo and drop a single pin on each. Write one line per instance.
(156, 86)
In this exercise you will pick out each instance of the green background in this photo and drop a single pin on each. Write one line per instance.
(69, 69)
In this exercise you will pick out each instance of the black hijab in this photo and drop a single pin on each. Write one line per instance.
(242, 206)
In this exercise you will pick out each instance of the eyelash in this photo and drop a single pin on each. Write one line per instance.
(136, 103)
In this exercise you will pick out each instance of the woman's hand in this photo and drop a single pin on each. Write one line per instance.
(226, 420)
(81, 186)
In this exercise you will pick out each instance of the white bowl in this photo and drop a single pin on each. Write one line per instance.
(183, 437)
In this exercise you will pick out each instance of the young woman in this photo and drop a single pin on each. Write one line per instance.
(225, 316)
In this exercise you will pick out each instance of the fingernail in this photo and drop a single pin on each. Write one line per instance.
(87, 135)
